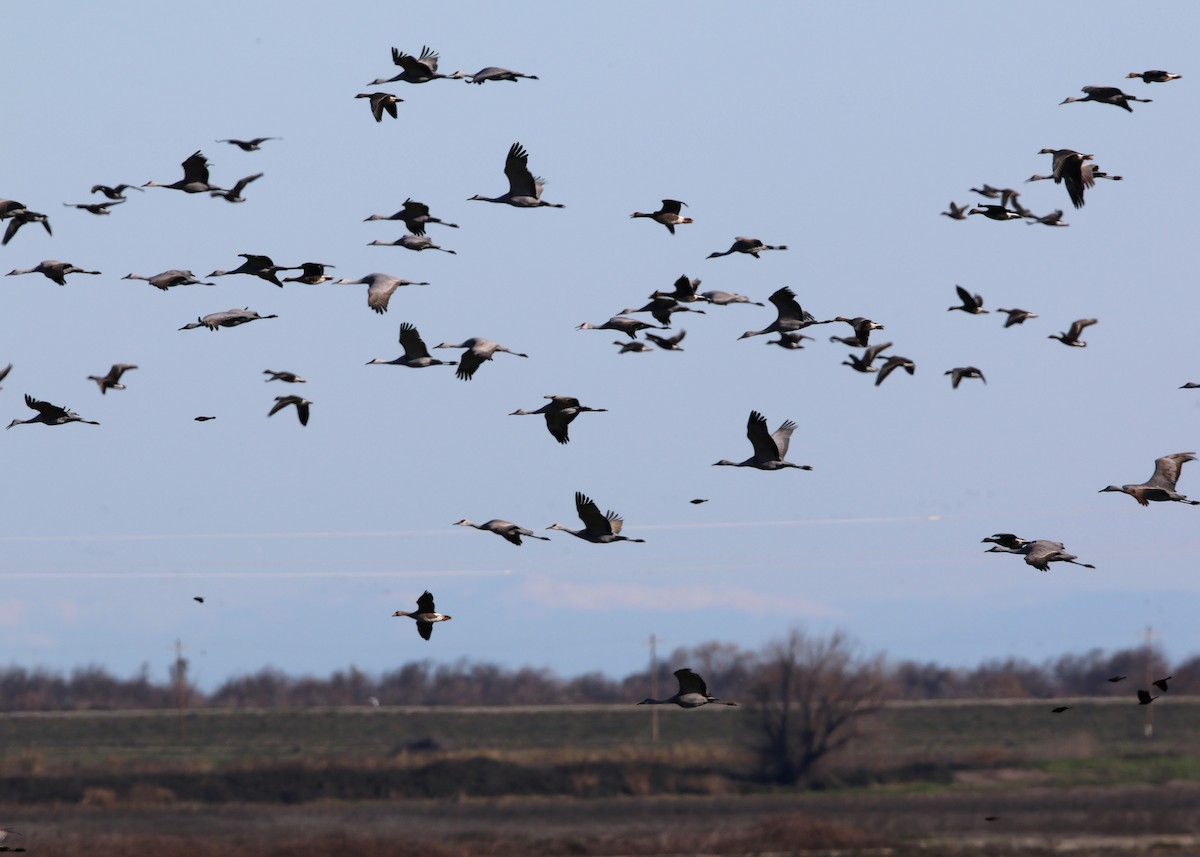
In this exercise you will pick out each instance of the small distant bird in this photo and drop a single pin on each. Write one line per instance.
(1060, 709)
(670, 343)
(1054, 218)
(1016, 316)
(1071, 337)
(312, 274)
(381, 101)
(1161, 683)
(301, 404)
(862, 331)
(560, 413)
(1190, 385)
(637, 346)
(21, 216)
(416, 352)
(425, 615)
(597, 528)
(753, 246)
(117, 192)
(957, 212)
(692, 693)
(988, 192)
(893, 363)
(791, 341)
(697, 502)
(95, 207)
(1106, 95)
(995, 212)
(719, 298)
(234, 194)
(662, 309)
(1154, 76)
(50, 415)
(1116, 678)
(203, 419)
(684, 291)
(1160, 488)
(864, 363)
(111, 381)
(199, 599)
(668, 215)
(493, 73)
(1144, 697)
(289, 377)
(957, 374)
(506, 529)
(770, 449)
(990, 817)
(250, 145)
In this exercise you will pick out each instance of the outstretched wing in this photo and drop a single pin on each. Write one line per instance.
(764, 445)
(1166, 470)
(516, 167)
(425, 604)
(689, 682)
(591, 516)
(411, 340)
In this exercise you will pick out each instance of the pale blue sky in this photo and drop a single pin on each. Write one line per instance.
(840, 130)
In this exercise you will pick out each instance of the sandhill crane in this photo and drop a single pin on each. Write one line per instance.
(380, 288)
(117, 192)
(626, 325)
(18, 218)
(416, 353)
(300, 402)
(791, 341)
(959, 372)
(1016, 316)
(865, 363)
(1106, 95)
(426, 615)
(693, 693)
(412, 242)
(862, 331)
(972, 304)
(506, 529)
(789, 315)
(524, 191)
(667, 343)
(668, 215)
(769, 449)
(50, 415)
(893, 363)
(957, 212)
(560, 412)
(312, 273)
(250, 145)
(987, 191)
(95, 207)
(662, 309)
(684, 291)
(637, 346)
(995, 212)
(1067, 166)
(228, 318)
(169, 279)
(753, 246)
(195, 176)
(1071, 337)
(478, 350)
(288, 377)
(415, 215)
(719, 298)
(381, 101)
(1154, 76)
(1041, 552)
(495, 73)
(52, 269)
(234, 194)
(598, 528)
(420, 69)
(112, 380)
(257, 266)
(1160, 487)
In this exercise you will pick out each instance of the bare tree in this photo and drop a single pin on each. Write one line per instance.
(807, 700)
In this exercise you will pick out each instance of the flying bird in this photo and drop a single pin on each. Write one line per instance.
(416, 353)
(112, 380)
(228, 318)
(668, 215)
(195, 176)
(415, 216)
(312, 273)
(524, 191)
(692, 693)
(494, 73)
(379, 288)
(505, 529)
(95, 207)
(478, 350)
(301, 404)
(420, 69)
(1106, 95)
(234, 194)
(1154, 76)
(381, 101)
(1160, 487)
(426, 615)
(956, 212)
(1144, 697)
(1016, 316)
(597, 528)
(51, 269)
(893, 363)
(117, 192)
(250, 145)
(743, 244)
(289, 377)
(49, 415)
(258, 266)
(960, 372)
(1071, 337)
(770, 449)
(560, 412)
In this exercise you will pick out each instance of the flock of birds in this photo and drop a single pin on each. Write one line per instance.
(1075, 170)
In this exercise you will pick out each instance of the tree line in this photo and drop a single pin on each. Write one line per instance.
(732, 673)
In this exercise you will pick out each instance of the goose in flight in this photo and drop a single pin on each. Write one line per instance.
(250, 145)
(4, 372)
(956, 212)
(560, 412)
(300, 402)
(668, 215)
(960, 372)
(769, 449)
(379, 288)
(792, 341)
(288, 377)
(1067, 167)
(95, 207)
(425, 615)
(693, 693)
(893, 363)
(684, 291)
(381, 101)
(117, 192)
(478, 350)
(862, 331)
(970, 303)
(1071, 337)
(637, 346)
(662, 309)
(506, 529)
(524, 191)
(865, 363)
(1154, 76)
(112, 381)
(995, 212)
(50, 415)
(312, 273)
(1016, 316)
(667, 343)
(416, 353)
(753, 246)
(234, 194)
(1160, 487)
(597, 528)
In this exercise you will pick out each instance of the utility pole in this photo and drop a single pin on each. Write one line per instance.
(179, 672)
(653, 688)
(1148, 728)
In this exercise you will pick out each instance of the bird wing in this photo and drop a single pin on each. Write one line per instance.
(241, 185)
(425, 603)
(1166, 469)
(786, 304)
(765, 448)
(1039, 552)
(886, 369)
(302, 411)
(413, 209)
(281, 402)
(1078, 325)
(592, 518)
(689, 682)
(516, 167)
(967, 298)
(469, 362)
(195, 168)
(783, 436)
(411, 340)
(416, 66)
(45, 408)
(557, 422)
(378, 294)
(671, 206)
(425, 629)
